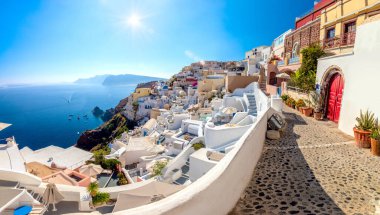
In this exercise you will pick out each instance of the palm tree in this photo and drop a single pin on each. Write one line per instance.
(93, 188)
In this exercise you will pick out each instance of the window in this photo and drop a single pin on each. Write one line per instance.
(330, 33)
(350, 27)
(295, 50)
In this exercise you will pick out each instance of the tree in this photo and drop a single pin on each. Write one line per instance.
(305, 76)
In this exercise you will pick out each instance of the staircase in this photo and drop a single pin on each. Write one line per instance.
(263, 80)
(252, 108)
(184, 179)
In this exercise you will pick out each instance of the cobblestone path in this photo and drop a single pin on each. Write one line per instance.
(312, 169)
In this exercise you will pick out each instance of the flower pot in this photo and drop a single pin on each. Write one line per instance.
(375, 147)
(318, 115)
(362, 138)
(307, 111)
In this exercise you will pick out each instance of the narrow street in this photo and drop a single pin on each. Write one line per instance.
(312, 169)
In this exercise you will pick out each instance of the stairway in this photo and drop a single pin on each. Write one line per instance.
(252, 107)
(263, 80)
(184, 179)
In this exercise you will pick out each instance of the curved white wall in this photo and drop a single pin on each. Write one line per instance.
(24, 178)
(218, 190)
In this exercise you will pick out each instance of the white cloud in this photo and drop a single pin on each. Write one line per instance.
(192, 56)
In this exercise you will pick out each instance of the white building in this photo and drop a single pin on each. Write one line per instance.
(350, 82)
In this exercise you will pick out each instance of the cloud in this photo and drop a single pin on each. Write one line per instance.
(192, 56)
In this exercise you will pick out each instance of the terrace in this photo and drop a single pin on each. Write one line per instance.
(345, 40)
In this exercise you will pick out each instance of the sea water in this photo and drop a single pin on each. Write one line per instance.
(40, 115)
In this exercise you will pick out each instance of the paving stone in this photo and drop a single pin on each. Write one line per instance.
(313, 169)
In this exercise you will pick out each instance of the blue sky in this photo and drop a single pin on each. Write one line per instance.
(62, 40)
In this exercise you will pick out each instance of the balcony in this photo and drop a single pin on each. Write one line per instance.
(347, 39)
(294, 60)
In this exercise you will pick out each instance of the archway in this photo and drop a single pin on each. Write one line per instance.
(332, 89)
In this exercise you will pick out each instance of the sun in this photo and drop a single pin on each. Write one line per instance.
(134, 20)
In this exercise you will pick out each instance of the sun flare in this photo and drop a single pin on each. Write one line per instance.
(134, 20)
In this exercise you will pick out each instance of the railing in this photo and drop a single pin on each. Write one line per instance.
(294, 60)
(346, 39)
(296, 89)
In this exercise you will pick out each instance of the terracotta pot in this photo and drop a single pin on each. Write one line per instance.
(375, 147)
(362, 138)
(318, 115)
(307, 111)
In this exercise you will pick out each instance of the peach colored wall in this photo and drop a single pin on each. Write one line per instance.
(234, 82)
(271, 89)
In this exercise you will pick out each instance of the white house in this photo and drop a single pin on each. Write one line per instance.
(350, 82)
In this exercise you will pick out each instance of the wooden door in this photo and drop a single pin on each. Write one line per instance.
(335, 98)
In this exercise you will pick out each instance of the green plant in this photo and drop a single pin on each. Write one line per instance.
(300, 103)
(290, 101)
(100, 198)
(122, 179)
(305, 76)
(284, 97)
(93, 188)
(198, 146)
(158, 167)
(366, 121)
(316, 101)
(110, 164)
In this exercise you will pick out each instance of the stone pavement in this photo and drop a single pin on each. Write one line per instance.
(312, 169)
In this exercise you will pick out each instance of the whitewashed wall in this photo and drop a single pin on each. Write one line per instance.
(361, 74)
(218, 190)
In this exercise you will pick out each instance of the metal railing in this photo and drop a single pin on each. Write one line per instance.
(346, 39)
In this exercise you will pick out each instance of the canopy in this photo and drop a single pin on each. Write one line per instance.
(145, 194)
(229, 110)
(4, 126)
(283, 76)
(91, 169)
(52, 195)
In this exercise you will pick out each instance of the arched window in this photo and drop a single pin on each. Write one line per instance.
(295, 50)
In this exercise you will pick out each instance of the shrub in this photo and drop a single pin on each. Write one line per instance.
(122, 179)
(376, 133)
(100, 198)
(305, 76)
(158, 167)
(366, 121)
(300, 103)
(290, 101)
(93, 188)
(284, 97)
(198, 146)
(110, 164)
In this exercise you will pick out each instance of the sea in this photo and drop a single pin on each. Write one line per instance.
(40, 114)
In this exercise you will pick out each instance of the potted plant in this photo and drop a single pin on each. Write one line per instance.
(300, 104)
(363, 128)
(284, 98)
(375, 140)
(316, 100)
(307, 110)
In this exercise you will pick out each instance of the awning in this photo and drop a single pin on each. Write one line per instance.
(145, 194)
(283, 76)
(4, 126)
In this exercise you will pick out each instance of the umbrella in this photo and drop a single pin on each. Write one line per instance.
(283, 76)
(52, 195)
(229, 110)
(91, 169)
(145, 194)
(4, 126)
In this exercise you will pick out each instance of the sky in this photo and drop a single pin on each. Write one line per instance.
(52, 41)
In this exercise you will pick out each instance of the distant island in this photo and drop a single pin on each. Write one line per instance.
(116, 80)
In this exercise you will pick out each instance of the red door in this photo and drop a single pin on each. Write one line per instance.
(335, 98)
